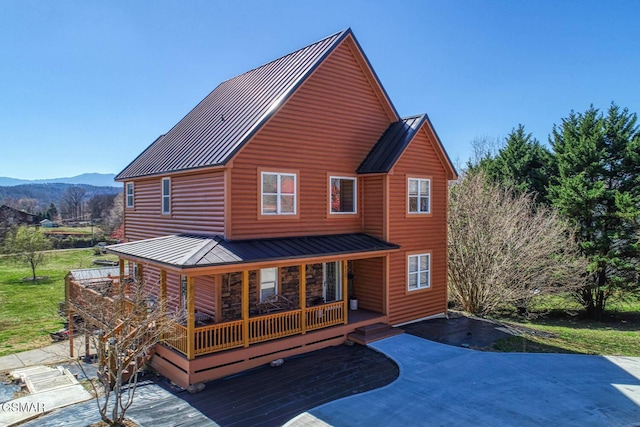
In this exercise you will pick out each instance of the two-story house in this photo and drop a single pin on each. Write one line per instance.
(287, 189)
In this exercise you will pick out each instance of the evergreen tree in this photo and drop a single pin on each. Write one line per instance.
(598, 189)
(522, 163)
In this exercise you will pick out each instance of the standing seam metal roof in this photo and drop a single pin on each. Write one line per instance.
(391, 145)
(220, 124)
(190, 250)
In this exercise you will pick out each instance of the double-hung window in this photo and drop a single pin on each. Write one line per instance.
(419, 271)
(278, 193)
(268, 283)
(343, 195)
(129, 191)
(166, 195)
(419, 195)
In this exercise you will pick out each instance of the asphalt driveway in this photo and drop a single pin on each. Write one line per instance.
(441, 385)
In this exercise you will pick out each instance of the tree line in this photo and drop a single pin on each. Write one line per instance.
(586, 183)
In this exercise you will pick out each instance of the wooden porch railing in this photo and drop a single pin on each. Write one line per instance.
(325, 315)
(222, 336)
(273, 326)
(176, 337)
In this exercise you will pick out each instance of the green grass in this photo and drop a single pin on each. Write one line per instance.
(558, 326)
(29, 311)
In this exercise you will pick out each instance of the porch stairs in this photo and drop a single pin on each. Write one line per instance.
(374, 332)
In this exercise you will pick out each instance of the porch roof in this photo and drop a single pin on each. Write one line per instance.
(191, 250)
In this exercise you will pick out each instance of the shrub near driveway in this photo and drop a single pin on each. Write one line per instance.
(29, 311)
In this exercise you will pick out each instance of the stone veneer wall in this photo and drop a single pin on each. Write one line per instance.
(231, 294)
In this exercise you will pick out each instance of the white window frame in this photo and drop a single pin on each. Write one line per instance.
(129, 194)
(279, 195)
(166, 197)
(419, 196)
(418, 273)
(355, 194)
(272, 283)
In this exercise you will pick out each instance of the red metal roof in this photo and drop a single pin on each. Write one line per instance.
(211, 133)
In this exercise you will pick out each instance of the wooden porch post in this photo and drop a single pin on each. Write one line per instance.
(245, 306)
(345, 290)
(190, 318)
(70, 330)
(163, 287)
(302, 279)
(121, 277)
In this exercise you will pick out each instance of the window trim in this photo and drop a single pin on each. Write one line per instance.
(165, 196)
(418, 212)
(126, 194)
(296, 195)
(355, 194)
(418, 272)
(276, 282)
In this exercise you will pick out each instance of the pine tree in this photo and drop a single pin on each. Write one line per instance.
(598, 189)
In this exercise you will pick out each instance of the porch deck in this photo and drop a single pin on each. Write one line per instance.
(182, 371)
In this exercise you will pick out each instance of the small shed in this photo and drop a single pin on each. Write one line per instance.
(46, 223)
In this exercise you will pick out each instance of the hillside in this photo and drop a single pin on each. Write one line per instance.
(46, 194)
(94, 179)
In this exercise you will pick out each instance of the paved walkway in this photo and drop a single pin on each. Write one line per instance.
(441, 385)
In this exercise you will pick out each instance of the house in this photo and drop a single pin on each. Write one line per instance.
(47, 223)
(12, 217)
(285, 190)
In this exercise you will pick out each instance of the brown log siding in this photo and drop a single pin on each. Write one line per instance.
(327, 127)
(197, 206)
(418, 233)
(369, 283)
(373, 205)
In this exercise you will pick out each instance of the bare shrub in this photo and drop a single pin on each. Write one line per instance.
(505, 249)
(124, 323)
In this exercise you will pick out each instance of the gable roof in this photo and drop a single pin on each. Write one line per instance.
(394, 141)
(211, 133)
(191, 250)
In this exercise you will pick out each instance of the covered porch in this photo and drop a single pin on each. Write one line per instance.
(245, 303)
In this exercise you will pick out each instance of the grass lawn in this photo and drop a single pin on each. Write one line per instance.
(29, 311)
(559, 327)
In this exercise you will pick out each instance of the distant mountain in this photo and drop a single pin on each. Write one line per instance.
(95, 179)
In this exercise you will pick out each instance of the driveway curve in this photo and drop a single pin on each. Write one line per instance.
(441, 385)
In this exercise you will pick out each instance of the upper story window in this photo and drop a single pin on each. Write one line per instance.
(129, 191)
(268, 283)
(278, 193)
(419, 195)
(343, 195)
(419, 271)
(166, 195)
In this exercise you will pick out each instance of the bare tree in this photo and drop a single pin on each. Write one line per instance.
(504, 249)
(99, 205)
(72, 202)
(115, 217)
(124, 323)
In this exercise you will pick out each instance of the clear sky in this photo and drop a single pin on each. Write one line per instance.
(86, 86)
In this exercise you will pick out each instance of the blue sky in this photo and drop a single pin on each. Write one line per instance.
(86, 86)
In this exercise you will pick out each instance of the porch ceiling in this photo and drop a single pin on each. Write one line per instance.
(190, 250)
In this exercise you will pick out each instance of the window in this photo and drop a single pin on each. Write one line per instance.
(268, 283)
(419, 195)
(343, 195)
(419, 271)
(166, 195)
(129, 186)
(278, 193)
